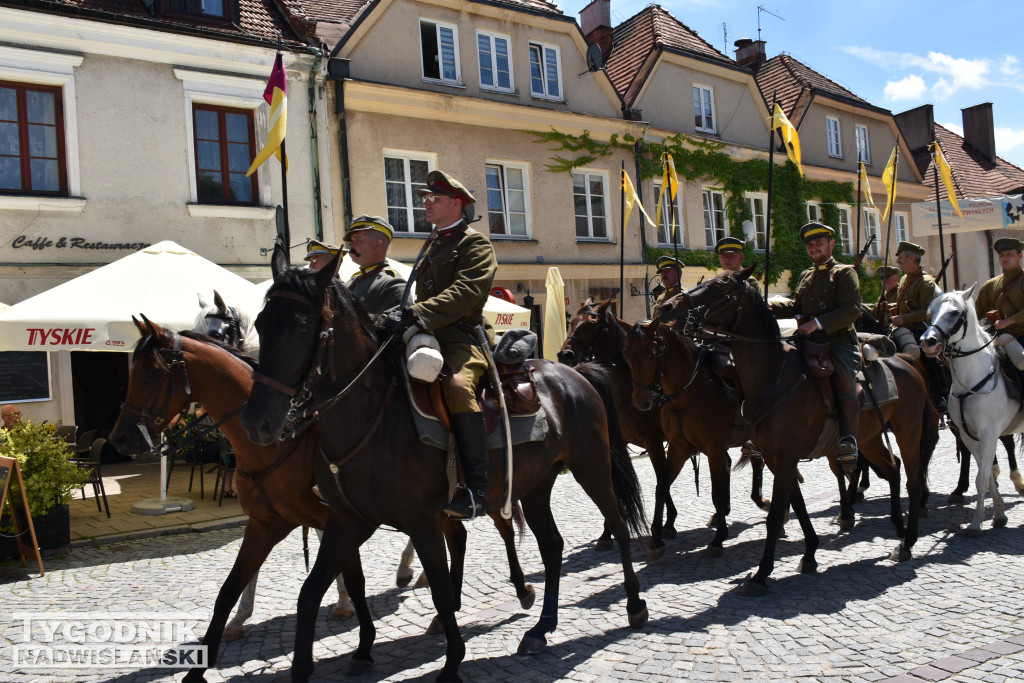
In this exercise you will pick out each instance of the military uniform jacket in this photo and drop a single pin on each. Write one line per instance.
(453, 282)
(881, 309)
(1011, 305)
(379, 289)
(915, 293)
(830, 293)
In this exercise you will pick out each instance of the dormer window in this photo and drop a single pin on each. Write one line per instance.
(202, 10)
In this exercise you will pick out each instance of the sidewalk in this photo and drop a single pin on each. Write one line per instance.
(127, 483)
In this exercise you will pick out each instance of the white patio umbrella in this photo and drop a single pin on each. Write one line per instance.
(554, 314)
(504, 316)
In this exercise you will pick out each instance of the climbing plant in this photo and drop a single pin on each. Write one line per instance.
(697, 159)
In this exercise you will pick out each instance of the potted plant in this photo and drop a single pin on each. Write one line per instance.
(50, 477)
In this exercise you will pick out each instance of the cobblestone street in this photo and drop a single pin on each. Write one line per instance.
(952, 613)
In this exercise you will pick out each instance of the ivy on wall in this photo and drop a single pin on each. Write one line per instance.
(706, 161)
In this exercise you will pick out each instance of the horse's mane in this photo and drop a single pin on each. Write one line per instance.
(150, 349)
(339, 302)
(762, 315)
(234, 351)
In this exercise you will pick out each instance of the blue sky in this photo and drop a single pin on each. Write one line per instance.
(896, 54)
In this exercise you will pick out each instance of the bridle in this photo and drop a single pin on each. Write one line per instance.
(945, 338)
(229, 331)
(588, 353)
(658, 394)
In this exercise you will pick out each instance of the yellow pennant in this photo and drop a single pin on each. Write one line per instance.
(866, 186)
(889, 180)
(631, 199)
(947, 177)
(789, 136)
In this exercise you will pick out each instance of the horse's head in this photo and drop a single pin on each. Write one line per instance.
(952, 320)
(720, 296)
(644, 352)
(226, 324)
(158, 388)
(586, 330)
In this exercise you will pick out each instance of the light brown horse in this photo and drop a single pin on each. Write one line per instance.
(780, 395)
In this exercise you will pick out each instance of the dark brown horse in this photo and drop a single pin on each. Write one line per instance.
(374, 470)
(274, 482)
(780, 395)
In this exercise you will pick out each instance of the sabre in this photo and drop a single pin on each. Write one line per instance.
(506, 427)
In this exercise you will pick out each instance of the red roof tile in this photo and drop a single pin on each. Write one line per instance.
(973, 174)
(787, 78)
(643, 33)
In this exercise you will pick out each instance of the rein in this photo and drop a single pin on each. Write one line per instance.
(588, 353)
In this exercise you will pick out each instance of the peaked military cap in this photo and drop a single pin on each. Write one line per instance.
(367, 222)
(911, 247)
(1008, 244)
(727, 244)
(666, 262)
(886, 271)
(815, 230)
(316, 248)
(439, 182)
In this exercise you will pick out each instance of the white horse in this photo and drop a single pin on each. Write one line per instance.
(979, 400)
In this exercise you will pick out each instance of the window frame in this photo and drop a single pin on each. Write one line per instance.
(438, 24)
(845, 228)
(680, 218)
(492, 36)
(543, 47)
(225, 172)
(527, 207)
(863, 151)
(25, 157)
(874, 251)
(228, 16)
(713, 233)
(838, 153)
(760, 232)
(700, 88)
(902, 235)
(410, 195)
(817, 209)
(606, 203)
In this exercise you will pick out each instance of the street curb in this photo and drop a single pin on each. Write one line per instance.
(199, 527)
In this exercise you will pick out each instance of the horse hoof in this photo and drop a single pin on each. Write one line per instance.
(998, 522)
(531, 645)
(754, 590)
(603, 544)
(669, 532)
(638, 619)
(845, 524)
(714, 551)
(340, 613)
(232, 633)
(900, 554)
(923, 513)
(956, 499)
(448, 677)
(403, 580)
(764, 504)
(357, 667)
(422, 582)
(527, 598)
(655, 552)
(194, 676)
(807, 566)
(971, 532)
(436, 627)
(858, 497)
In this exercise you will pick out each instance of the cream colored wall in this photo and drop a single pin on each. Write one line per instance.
(814, 143)
(400, 62)
(667, 102)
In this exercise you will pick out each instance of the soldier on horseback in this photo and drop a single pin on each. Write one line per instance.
(1001, 301)
(452, 284)
(826, 303)
(669, 270)
(910, 314)
(376, 285)
(890, 278)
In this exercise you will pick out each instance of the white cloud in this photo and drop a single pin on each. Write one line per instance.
(954, 127)
(954, 73)
(910, 88)
(1008, 67)
(1008, 138)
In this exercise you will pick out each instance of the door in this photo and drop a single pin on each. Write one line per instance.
(100, 381)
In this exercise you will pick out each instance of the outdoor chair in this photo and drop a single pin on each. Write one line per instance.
(95, 468)
(84, 447)
(69, 433)
(227, 455)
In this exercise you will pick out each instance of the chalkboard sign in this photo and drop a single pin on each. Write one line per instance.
(24, 376)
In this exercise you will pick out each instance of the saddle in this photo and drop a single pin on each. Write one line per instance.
(818, 358)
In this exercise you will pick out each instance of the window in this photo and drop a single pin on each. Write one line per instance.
(403, 174)
(507, 199)
(813, 212)
(202, 8)
(863, 144)
(224, 149)
(871, 223)
(667, 212)
(703, 109)
(835, 142)
(439, 46)
(32, 156)
(757, 203)
(590, 201)
(495, 65)
(844, 230)
(545, 71)
(900, 221)
(715, 224)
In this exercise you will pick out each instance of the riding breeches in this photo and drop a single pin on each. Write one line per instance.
(848, 361)
(469, 367)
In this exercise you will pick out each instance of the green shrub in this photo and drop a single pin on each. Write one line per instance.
(49, 474)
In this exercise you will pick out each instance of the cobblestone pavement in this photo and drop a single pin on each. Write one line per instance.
(952, 613)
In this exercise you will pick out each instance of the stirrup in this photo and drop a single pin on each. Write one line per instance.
(474, 506)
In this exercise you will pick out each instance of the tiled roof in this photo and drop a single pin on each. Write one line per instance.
(786, 78)
(973, 174)
(258, 20)
(648, 30)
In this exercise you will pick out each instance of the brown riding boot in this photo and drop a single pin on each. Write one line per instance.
(470, 501)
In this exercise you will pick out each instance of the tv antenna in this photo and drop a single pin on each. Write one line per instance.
(725, 37)
(760, 8)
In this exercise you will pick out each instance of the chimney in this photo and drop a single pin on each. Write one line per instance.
(750, 53)
(979, 131)
(596, 24)
(917, 126)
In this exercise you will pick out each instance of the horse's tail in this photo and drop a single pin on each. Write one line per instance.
(518, 519)
(624, 479)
